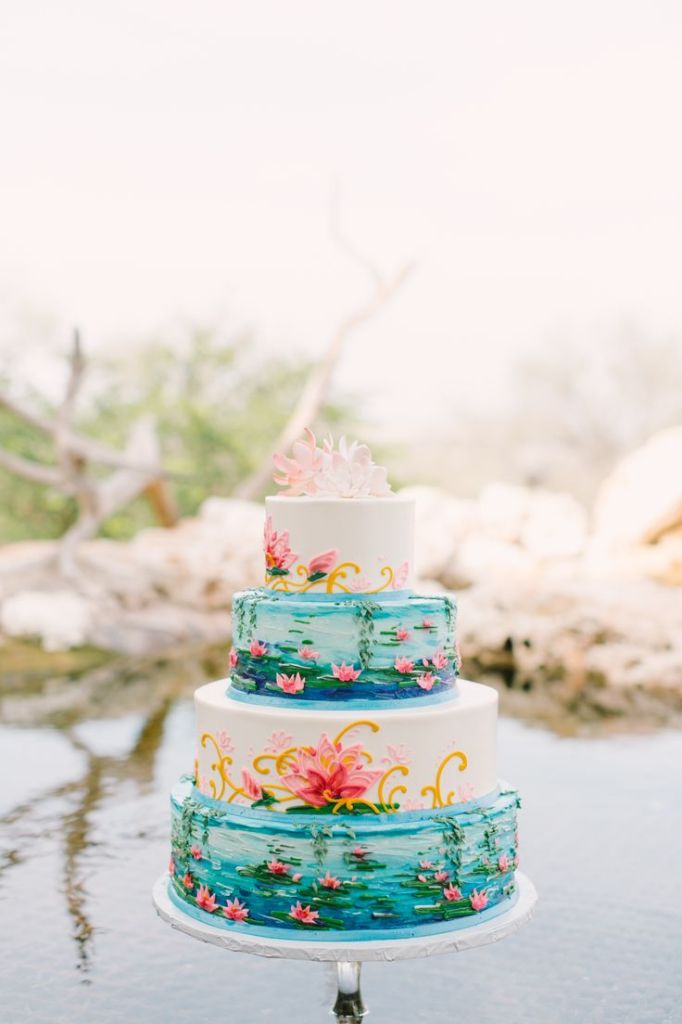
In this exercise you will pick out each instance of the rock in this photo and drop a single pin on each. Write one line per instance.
(642, 498)
(60, 619)
(548, 525)
(442, 523)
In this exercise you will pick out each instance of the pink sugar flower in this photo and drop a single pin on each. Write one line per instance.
(401, 633)
(328, 881)
(441, 876)
(404, 665)
(422, 878)
(308, 654)
(196, 852)
(451, 892)
(278, 554)
(479, 900)
(233, 658)
(258, 649)
(400, 576)
(206, 899)
(322, 563)
(188, 881)
(329, 773)
(345, 673)
(290, 684)
(236, 911)
(251, 786)
(439, 660)
(425, 680)
(297, 877)
(303, 914)
(299, 473)
(359, 852)
(427, 624)
(504, 863)
(426, 865)
(278, 868)
(171, 867)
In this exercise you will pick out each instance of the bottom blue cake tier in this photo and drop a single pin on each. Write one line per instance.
(349, 877)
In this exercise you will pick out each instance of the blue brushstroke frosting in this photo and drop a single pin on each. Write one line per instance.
(348, 648)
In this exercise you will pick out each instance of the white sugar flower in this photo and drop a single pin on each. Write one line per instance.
(350, 472)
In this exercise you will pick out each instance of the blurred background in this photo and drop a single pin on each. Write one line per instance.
(450, 231)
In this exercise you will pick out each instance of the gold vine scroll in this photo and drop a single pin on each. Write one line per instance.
(334, 582)
(435, 791)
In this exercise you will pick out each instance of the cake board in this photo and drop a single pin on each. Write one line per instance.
(349, 956)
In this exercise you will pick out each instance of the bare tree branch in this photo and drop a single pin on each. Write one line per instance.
(36, 472)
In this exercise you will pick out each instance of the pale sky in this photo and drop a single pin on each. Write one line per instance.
(167, 159)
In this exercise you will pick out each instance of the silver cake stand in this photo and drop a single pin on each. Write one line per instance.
(349, 956)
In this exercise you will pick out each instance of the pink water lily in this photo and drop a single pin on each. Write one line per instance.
(426, 680)
(171, 867)
(258, 649)
(188, 881)
(323, 562)
(290, 684)
(427, 624)
(403, 665)
(422, 878)
(308, 654)
(206, 899)
(236, 911)
(297, 877)
(276, 867)
(329, 773)
(251, 786)
(425, 865)
(359, 852)
(278, 742)
(400, 576)
(278, 553)
(504, 863)
(303, 914)
(299, 473)
(441, 876)
(345, 673)
(439, 660)
(233, 658)
(451, 892)
(196, 852)
(479, 900)
(402, 634)
(328, 881)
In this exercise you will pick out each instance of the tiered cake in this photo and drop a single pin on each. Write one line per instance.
(345, 784)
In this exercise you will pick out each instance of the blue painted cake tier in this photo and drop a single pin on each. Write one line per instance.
(343, 648)
(371, 877)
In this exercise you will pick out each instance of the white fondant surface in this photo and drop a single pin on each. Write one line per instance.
(387, 950)
(428, 742)
(376, 535)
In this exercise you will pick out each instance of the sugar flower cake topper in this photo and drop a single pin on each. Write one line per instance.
(345, 472)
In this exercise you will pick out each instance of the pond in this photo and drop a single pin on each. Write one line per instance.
(88, 760)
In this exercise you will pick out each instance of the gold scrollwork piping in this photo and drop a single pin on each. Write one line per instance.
(435, 790)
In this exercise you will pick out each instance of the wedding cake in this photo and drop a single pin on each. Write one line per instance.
(345, 784)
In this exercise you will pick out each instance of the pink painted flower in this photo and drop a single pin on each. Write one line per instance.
(361, 584)
(451, 892)
(206, 899)
(188, 881)
(396, 754)
(225, 742)
(233, 657)
(427, 624)
(504, 863)
(328, 773)
(425, 865)
(278, 554)
(236, 911)
(404, 665)
(308, 654)
(297, 877)
(276, 867)
(278, 742)
(299, 473)
(422, 878)
(252, 788)
(400, 576)
(328, 881)
(258, 649)
(441, 876)
(439, 660)
(171, 867)
(401, 633)
(425, 680)
(290, 684)
(359, 852)
(345, 673)
(196, 852)
(303, 914)
(479, 900)
(323, 563)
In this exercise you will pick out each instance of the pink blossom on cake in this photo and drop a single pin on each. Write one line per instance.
(236, 911)
(224, 741)
(361, 584)
(441, 876)
(278, 742)
(278, 554)
(276, 867)
(252, 788)
(196, 852)
(329, 881)
(297, 877)
(308, 654)
(359, 852)
(396, 754)
(257, 649)
(403, 665)
(233, 658)
(350, 472)
(402, 634)
(504, 863)
(425, 865)
(439, 660)
(329, 773)
(187, 880)
(345, 673)
(303, 914)
(427, 624)
(171, 867)
(425, 680)
(290, 684)
(422, 878)
(320, 565)
(299, 473)
(206, 899)
(400, 576)
(478, 900)
(451, 892)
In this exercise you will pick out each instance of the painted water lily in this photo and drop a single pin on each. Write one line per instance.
(236, 911)
(425, 865)
(233, 657)
(299, 473)
(402, 634)
(400, 576)
(451, 892)
(504, 863)
(350, 472)
(345, 673)
(196, 852)
(441, 876)
(276, 867)
(303, 914)
(188, 881)
(329, 773)
(224, 741)
(251, 786)
(321, 564)
(403, 665)
(171, 867)
(278, 742)
(359, 852)
(290, 684)
(427, 624)
(278, 554)
(258, 649)
(329, 881)
(426, 680)
(439, 660)
(206, 899)
(479, 900)
(308, 654)
(422, 878)
(360, 584)
(297, 877)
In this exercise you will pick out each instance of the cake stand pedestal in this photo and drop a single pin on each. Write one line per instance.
(349, 956)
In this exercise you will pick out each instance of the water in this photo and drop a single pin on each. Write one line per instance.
(88, 763)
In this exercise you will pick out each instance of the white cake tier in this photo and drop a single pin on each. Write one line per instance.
(345, 760)
(339, 545)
